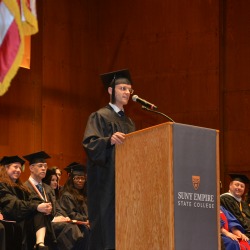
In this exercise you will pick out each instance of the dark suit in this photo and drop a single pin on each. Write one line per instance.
(68, 235)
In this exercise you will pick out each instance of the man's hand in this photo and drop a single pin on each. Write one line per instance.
(45, 208)
(232, 236)
(244, 237)
(117, 138)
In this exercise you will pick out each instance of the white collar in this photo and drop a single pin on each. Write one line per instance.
(115, 108)
(34, 181)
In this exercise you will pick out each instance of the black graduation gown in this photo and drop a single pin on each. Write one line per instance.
(100, 127)
(72, 208)
(15, 205)
(233, 206)
(75, 211)
(68, 235)
(2, 236)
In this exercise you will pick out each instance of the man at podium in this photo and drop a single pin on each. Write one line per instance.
(105, 129)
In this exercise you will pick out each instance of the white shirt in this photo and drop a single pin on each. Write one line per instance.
(34, 181)
(115, 108)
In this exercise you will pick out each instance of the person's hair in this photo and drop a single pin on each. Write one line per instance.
(79, 194)
(55, 168)
(48, 177)
(4, 178)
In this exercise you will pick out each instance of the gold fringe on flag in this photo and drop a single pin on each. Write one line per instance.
(14, 9)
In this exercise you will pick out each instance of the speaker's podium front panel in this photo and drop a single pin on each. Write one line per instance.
(167, 189)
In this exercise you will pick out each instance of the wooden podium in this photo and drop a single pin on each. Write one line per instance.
(167, 189)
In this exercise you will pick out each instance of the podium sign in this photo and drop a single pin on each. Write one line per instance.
(195, 188)
(167, 189)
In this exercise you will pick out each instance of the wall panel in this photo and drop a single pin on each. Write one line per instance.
(236, 87)
(170, 47)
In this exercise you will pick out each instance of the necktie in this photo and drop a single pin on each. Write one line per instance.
(40, 188)
(121, 113)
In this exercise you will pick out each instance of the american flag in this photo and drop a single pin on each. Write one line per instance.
(17, 19)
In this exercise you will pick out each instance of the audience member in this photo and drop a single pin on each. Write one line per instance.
(232, 201)
(16, 205)
(68, 235)
(51, 179)
(73, 199)
(58, 172)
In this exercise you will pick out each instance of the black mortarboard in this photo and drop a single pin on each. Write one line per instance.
(6, 160)
(78, 169)
(68, 168)
(38, 157)
(110, 79)
(239, 177)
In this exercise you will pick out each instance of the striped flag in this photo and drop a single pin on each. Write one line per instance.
(29, 17)
(30, 27)
(17, 19)
(11, 42)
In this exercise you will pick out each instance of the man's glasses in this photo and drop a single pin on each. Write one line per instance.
(40, 165)
(123, 88)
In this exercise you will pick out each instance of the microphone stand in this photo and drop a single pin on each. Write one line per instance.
(160, 113)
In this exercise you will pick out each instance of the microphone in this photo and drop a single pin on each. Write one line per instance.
(145, 103)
